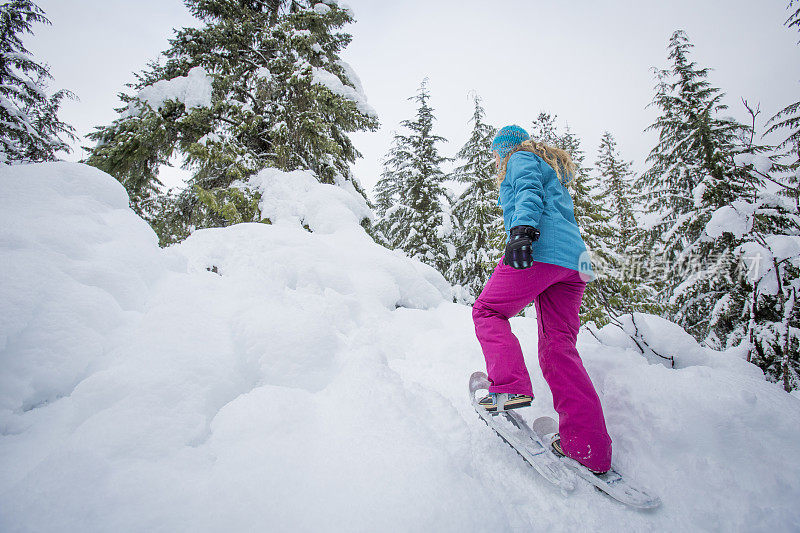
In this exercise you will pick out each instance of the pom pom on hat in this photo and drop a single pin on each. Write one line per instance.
(508, 138)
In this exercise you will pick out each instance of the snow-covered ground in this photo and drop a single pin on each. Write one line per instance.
(266, 378)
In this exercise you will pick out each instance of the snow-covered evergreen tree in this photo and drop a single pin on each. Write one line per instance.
(761, 316)
(411, 200)
(30, 129)
(591, 211)
(260, 84)
(480, 236)
(625, 289)
(615, 175)
(544, 129)
(592, 215)
(591, 204)
(788, 120)
(691, 174)
(387, 190)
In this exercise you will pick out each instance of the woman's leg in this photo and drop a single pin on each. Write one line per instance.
(507, 293)
(582, 427)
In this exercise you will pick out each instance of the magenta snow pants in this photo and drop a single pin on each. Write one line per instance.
(557, 292)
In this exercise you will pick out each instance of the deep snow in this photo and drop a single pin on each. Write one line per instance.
(263, 377)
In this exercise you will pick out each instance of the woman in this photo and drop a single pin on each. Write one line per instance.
(542, 264)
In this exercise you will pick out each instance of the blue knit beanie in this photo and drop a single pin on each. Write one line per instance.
(508, 138)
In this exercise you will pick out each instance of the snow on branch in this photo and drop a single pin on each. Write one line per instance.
(194, 90)
(334, 84)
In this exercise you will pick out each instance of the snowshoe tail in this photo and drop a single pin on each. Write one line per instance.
(611, 483)
(514, 431)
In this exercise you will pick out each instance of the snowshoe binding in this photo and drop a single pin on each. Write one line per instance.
(501, 401)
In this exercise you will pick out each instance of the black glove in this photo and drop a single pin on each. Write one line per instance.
(518, 249)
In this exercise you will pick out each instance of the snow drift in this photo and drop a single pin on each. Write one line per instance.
(264, 377)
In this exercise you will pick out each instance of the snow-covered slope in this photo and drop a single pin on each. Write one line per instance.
(265, 378)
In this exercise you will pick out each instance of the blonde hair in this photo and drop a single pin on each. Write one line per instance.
(557, 158)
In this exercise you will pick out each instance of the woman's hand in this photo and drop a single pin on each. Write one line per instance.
(518, 249)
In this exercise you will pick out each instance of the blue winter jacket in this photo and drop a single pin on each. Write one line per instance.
(532, 195)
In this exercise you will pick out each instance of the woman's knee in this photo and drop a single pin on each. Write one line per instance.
(480, 310)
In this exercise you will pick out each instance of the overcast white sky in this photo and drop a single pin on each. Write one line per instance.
(589, 61)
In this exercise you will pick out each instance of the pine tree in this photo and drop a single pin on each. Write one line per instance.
(691, 175)
(411, 196)
(480, 235)
(626, 291)
(614, 176)
(30, 129)
(544, 129)
(794, 19)
(591, 205)
(591, 214)
(788, 119)
(281, 97)
(760, 315)
(763, 316)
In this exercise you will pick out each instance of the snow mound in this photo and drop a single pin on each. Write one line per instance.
(298, 198)
(267, 377)
(281, 258)
(663, 342)
(77, 263)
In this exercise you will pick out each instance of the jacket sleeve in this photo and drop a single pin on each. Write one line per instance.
(526, 178)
